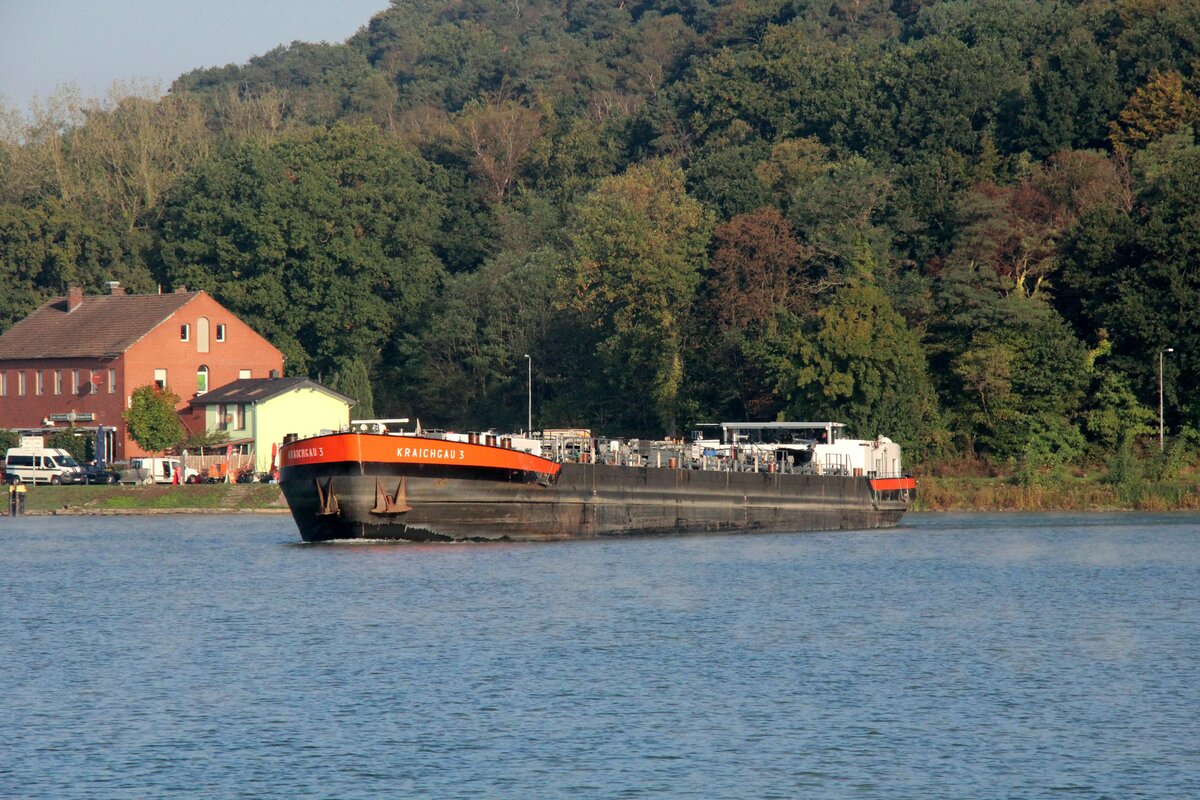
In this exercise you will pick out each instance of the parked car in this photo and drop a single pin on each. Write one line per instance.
(158, 470)
(41, 465)
(94, 474)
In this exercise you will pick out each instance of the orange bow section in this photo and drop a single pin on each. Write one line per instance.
(381, 448)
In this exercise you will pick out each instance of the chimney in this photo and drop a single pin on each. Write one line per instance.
(114, 288)
(74, 298)
(180, 289)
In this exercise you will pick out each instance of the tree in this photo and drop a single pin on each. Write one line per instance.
(324, 243)
(75, 442)
(788, 85)
(839, 214)
(1160, 107)
(723, 175)
(639, 243)
(1114, 411)
(654, 45)
(50, 246)
(498, 136)
(353, 381)
(1068, 99)
(855, 360)
(938, 93)
(757, 268)
(466, 367)
(986, 372)
(151, 418)
(1133, 275)
(1021, 377)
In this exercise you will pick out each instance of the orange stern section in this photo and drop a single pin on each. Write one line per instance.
(884, 484)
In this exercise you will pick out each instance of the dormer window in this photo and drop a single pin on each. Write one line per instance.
(185, 332)
(220, 332)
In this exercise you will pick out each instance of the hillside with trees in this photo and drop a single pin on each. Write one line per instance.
(970, 226)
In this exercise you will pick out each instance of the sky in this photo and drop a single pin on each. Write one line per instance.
(92, 43)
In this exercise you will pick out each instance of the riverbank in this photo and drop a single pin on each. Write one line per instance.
(933, 494)
(1083, 493)
(219, 498)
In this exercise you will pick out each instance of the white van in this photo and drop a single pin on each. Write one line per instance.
(158, 470)
(41, 465)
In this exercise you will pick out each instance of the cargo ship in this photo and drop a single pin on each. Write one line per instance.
(374, 481)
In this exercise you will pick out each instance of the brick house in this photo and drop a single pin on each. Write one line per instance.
(78, 358)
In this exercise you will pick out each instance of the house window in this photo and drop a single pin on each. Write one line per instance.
(92, 378)
(39, 385)
(74, 381)
(21, 383)
(185, 332)
(220, 332)
(3, 384)
(202, 379)
(160, 378)
(243, 373)
(112, 381)
(231, 417)
(58, 381)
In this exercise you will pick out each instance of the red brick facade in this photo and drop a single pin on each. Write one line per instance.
(99, 379)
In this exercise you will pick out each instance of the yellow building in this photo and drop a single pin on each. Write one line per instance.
(261, 411)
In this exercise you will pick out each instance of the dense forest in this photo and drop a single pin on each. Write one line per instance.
(971, 226)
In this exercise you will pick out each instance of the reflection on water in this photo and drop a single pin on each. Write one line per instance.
(957, 656)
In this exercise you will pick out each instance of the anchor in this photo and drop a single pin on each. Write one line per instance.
(326, 499)
(390, 504)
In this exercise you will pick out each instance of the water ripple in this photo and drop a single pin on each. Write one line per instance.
(958, 656)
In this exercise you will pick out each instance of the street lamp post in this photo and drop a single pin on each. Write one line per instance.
(1160, 394)
(529, 419)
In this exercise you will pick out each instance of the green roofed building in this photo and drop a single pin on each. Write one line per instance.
(261, 411)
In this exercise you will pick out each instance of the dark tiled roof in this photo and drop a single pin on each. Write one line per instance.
(102, 326)
(256, 390)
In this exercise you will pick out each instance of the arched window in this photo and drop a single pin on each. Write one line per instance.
(202, 335)
(202, 379)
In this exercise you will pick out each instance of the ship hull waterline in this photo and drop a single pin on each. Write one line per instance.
(342, 497)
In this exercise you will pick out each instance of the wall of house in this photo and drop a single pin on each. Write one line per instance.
(304, 411)
(242, 351)
(97, 394)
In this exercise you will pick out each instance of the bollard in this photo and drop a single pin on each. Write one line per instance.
(16, 499)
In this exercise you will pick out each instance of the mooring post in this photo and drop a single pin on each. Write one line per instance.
(16, 499)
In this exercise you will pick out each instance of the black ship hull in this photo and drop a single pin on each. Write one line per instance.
(434, 502)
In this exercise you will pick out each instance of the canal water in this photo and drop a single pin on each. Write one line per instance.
(966, 656)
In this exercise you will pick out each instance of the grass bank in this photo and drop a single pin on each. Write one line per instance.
(219, 497)
(1072, 493)
(934, 493)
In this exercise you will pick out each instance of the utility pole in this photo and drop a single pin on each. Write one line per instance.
(1160, 394)
(529, 419)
